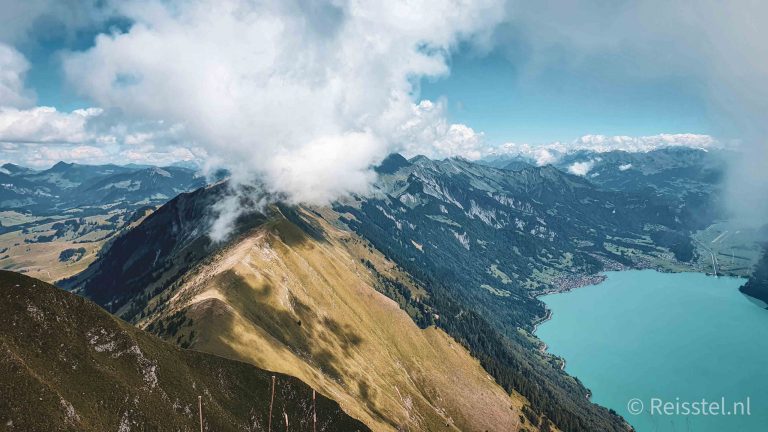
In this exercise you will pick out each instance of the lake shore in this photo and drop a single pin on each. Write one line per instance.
(643, 309)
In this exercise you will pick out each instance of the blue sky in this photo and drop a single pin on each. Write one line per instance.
(495, 93)
(309, 95)
(216, 77)
(44, 46)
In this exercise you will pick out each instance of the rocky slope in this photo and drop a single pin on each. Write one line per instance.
(67, 365)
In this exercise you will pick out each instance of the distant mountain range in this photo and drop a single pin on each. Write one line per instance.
(54, 222)
(687, 175)
(66, 186)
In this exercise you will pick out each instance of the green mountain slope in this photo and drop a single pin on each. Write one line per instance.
(690, 177)
(297, 295)
(66, 364)
(484, 242)
(496, 238)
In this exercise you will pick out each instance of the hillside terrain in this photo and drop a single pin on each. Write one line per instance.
(53, 223)
(56, 250)
(139, 277)
(294, 294)
(375, 299)
(496, 238)
(689, 176)
(67, 365)
(691, 180)
(90, 188)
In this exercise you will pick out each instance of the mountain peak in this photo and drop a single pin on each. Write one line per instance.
(392, 163)
(61, 165)
(11, 169)
(10, 166)
(419, 159)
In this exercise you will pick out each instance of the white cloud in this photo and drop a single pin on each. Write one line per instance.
(316, 171)
(13, 67)
(41, 136)
(305, 96)
(45, 125)
(540, 154)
(429, 133)
(45, 155)
(550, 153)
(581, 168)
(605, 143)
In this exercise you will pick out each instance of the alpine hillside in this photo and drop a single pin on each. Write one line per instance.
(71, 366)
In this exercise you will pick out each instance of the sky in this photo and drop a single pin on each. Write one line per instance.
(491, 92)
(304, 96)
(494, 94)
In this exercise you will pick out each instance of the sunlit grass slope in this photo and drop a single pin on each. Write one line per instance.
(68, 365)
(303, 301)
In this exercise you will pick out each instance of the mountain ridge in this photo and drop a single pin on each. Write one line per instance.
(69, 185)
(311, 305)
(146, 304)
(83, 369)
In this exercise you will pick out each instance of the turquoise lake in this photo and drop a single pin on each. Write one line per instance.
(662, 337)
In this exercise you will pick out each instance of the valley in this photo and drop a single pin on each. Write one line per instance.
(700, 325)
(56, 250)
(54, 222)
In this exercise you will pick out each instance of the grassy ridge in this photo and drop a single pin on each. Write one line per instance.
(65, 364)
(306, 305)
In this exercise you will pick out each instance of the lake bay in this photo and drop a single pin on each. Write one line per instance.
(666, 340)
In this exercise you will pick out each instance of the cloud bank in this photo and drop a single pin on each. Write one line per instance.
(427, 132)
(303, 97)
(545, 154)
(41, 136)
(581, 168)
(13, 67)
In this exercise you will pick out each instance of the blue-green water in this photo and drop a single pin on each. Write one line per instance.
(658, 337)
